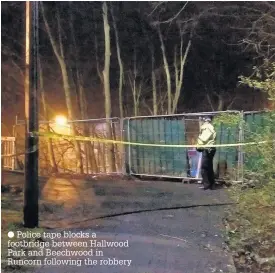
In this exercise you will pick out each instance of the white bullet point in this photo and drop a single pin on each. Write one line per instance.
(10, 234)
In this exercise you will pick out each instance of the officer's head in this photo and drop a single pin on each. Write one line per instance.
(206, 119)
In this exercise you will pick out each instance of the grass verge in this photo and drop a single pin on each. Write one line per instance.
(251, 229)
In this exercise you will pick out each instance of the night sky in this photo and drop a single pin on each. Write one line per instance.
(215, 61)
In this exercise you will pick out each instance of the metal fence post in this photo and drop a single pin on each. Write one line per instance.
(13, 152)
(122, 133)
(241, 157)
(129, 147)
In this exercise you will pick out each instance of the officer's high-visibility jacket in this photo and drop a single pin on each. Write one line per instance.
(207, 134)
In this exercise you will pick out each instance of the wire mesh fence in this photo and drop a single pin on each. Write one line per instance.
(159, 158)
(175, 162)
(155, 161)
(8, 148)
(258, 126)
(60, 155)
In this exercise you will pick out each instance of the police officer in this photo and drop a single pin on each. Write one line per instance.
(207, 136)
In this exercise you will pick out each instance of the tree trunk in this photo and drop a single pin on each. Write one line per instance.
(59, 53)
(154, 83)
(121, 76)
(137, 99)
(154, 86)
(135, 87)
(179, 74)
(167, 72)
(88, 146)
(53, 165)
(106, 82)
(99, 73)
(220, 103)
(68, 98)
(209, 100)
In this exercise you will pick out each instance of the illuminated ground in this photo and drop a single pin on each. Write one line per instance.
(164, 235)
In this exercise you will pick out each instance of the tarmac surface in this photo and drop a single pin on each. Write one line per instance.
(154, 226)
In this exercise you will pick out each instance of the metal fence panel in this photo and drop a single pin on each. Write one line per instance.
(228, 161)
(226, 158)
(7, 151)
(94, 153)
(151, 160)
(255, 124)
(171, 162)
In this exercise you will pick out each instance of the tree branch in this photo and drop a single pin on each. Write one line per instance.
(48, 29)
(158, 4)
(231, 103)
(269, 5)
(60, 35)
(209, 100)
(174, 17)
(167, 71)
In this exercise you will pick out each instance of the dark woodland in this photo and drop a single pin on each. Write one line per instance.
(211, 45)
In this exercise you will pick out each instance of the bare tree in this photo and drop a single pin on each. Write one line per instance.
(96, 48)
(106, 82)
(135, 84)
(91, 163)
(52, 161)
(259, 38)
(106, 71)
(173, 97)
(153, 110)
(167, 71)
(58, 48)
(154, 81)
(179, 70)
(121, 69)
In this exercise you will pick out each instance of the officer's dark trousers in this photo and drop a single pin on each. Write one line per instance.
(207, 172)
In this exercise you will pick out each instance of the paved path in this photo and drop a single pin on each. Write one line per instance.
(163, 235)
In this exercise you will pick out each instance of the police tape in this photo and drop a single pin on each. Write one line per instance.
(110, 141)
(121, 142)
